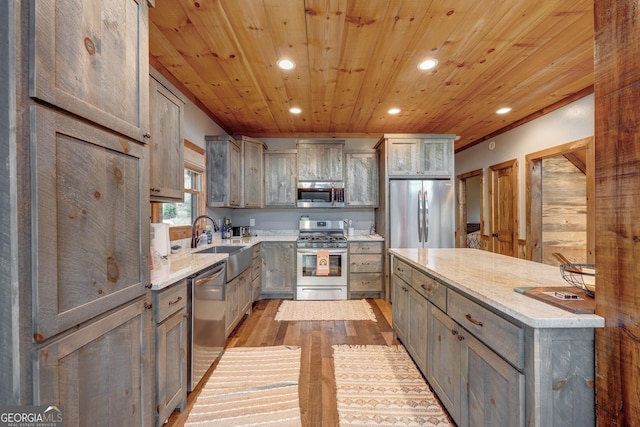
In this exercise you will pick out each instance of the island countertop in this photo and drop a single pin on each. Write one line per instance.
(491, 278)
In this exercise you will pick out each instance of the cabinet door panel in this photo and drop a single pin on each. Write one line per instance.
(171, 364)
(417, 324)
(361, 179)
(403, 155)
(278, 268)
(92, 221)
(444, 367)
(320, 161)
(101, 371)
(167, 169)
(280, 178)
(495, 388)
(400, 307)
(253, 174)
(91, 58)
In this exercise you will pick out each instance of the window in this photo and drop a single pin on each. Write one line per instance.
(186, 212)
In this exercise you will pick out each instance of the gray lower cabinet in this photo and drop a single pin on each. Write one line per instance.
(410, 308)
(171, 349)
(237, 300)
(485, 367)
(101, 372)
(280, 178)
(256, 275)
(365, 269)
(278, 269)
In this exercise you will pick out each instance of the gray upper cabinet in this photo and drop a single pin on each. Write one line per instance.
(91, 212)
(320, 161)
(93, 61)
(224, 169)
(421, 157)
(361, 186)
(253, 150)
(166, 170)
(280, 178)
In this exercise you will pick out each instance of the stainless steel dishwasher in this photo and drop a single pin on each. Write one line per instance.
(206, 327)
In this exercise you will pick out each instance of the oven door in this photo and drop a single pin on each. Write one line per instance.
(306, 267)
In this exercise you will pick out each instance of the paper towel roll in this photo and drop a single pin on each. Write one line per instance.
(160, 238)
(352, 232)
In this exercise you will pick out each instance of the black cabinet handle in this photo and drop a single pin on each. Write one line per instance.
(494, 235)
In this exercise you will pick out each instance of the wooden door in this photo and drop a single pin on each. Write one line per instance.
(171, 365)
(91, 58)
(503, 203)
(320, 161)
(92, 221)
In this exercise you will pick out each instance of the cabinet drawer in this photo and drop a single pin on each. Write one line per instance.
(403, 270)
(430, 289)
(169, 300)
(365, 247)
(255, 270)
(499, 334)
(365, 263)
(256, 251)
(365, 282)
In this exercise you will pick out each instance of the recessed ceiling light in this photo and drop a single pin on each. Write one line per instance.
(427, 64)
(295, 110)
(504, 110)
(286, 64)
(393, 111)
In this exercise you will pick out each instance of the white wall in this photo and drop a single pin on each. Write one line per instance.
(569, 123)
(197, 125)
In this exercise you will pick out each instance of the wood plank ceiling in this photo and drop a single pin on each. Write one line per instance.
(356, 59)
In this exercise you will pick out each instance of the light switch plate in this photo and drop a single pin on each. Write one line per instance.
(252, 222)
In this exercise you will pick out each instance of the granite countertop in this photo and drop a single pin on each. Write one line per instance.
(491, 278)
(366, 238)
(187, 262)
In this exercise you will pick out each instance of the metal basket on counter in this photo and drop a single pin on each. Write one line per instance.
(582, 276)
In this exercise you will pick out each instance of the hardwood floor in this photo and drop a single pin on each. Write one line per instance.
(317, 386)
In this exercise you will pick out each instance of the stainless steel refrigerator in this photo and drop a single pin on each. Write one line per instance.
(421, 214)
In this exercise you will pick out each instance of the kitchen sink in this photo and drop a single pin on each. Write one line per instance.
(240, 258)
(221, 249)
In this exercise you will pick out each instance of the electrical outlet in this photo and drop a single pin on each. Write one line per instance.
(252, 222)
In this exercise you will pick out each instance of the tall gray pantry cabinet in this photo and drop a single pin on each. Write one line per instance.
(80, 311)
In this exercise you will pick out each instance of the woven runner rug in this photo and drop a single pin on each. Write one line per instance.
(379, 385)
(325, 310)
(251, 386)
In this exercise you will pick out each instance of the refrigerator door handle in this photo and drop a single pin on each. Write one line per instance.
(426, 217)
(419, 216)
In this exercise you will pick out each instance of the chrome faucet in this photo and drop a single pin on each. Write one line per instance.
(194, 241)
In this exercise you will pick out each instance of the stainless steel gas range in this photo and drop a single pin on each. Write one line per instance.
(321, 241)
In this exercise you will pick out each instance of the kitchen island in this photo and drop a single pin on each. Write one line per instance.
(493, 355)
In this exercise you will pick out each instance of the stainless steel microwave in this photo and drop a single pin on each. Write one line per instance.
(320, 195)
